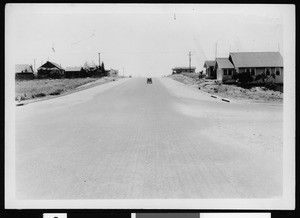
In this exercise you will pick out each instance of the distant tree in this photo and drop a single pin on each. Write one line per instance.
(86, 65)
(93, 64)
(102, 67)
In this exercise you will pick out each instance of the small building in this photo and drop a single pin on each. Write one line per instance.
(178, 70)
(74, 72)
(50, 70)
(113, 73)
(258, 63)
(24, 71)
(209, 69)
(224, 69)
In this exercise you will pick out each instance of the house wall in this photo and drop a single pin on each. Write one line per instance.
(45, 73)
(270, 79)
(220, 75)
(207, 71)
(211, 73)
(223, 78)
(72, 74)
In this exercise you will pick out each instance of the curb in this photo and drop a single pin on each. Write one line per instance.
(214, 96)
(225, 100)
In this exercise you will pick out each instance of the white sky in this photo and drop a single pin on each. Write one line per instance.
(143, 39)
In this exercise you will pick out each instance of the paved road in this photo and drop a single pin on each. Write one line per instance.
(129, 139)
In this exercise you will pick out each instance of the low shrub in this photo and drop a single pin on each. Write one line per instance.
(56, 92)
(21, 98)
(38, 95)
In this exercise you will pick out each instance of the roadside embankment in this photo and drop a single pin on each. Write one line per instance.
(258, 94)
(32, 90)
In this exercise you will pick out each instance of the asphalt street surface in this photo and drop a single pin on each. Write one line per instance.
(131, 140)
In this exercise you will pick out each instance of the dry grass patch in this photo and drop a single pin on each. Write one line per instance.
(42, 87)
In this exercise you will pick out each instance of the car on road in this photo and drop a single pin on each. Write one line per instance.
(149, 80)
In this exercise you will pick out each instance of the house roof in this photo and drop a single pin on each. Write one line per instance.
(23, 68)
(256, 59)
(209, 64)
(224, 63)
(49, 64)
(73, 69)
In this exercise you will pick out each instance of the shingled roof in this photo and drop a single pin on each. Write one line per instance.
(23, 68)
(209, 64)
(224, 63)
(256, 59)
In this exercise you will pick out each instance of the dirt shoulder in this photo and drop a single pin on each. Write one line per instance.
(41, 89)
(258, 94)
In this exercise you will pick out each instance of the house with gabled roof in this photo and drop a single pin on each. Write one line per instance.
(209, 69)
(50, 69)
(24, 71)
(258, 63)
(224, 69)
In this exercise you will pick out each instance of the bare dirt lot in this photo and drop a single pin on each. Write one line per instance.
(257, 94)
(38, 88)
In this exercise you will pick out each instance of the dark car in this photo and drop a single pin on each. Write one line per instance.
(149, 80)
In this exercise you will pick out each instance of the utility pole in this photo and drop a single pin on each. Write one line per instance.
(99, 60)
(33, 65)
(216, 50)
(190, 54)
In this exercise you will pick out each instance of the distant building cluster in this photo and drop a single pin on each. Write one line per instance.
(253, 67)
(53, 70)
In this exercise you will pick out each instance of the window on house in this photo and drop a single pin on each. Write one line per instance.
(268, 72)
(225, 72)
(247, 70)
(252, 72)
(277, 72)
(229, 72)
